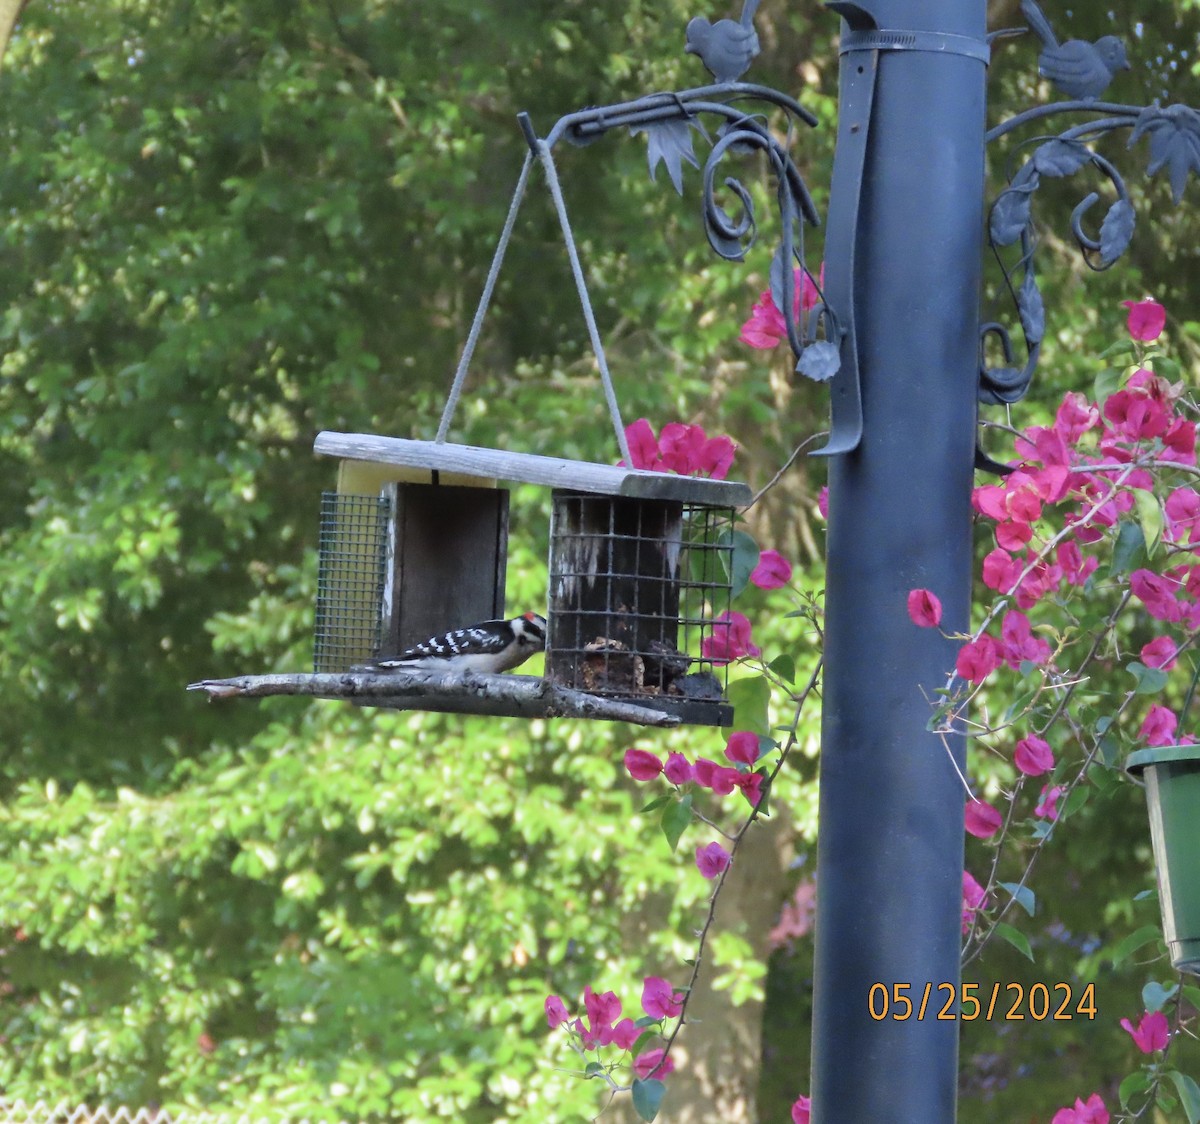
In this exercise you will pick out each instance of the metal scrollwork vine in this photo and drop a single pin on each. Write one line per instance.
(1173, 133)
(670, 122)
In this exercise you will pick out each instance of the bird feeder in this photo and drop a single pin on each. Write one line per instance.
(639, 566)
(1172, 777)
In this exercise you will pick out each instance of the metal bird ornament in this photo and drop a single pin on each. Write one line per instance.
(1080, 69)
(726, 47)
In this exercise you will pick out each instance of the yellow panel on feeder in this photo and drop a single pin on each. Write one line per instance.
(368, 478)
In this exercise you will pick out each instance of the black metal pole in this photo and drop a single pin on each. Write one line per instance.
(890, 849)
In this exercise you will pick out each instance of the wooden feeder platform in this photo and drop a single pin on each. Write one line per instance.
(530, 468)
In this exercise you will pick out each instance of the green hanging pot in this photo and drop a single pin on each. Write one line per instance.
(1172, 776)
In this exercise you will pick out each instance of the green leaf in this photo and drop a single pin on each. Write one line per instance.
(1130, 551)
(593, 1069)
(654, 804)
(1150, 680)
(1125, 347)
(742, 560)
(1135, 1083)
(785, 667)
(647, 1097)
(1144, 894)
(1022, 895)
(1015, 938)
(675, 818)
(1155, 997)
(749, 698)
(1166, 368)
(1107, 383)
(1189, 1094)
(1134, 941)
(1080, 795)
(1192, 994)
(1150, 518)
(1105, 780)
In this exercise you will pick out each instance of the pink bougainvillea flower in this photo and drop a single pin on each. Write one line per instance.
(1180, 442)
(680, 446)
(703, 772)
(1001, 571)
(678, 769)
(1093, 1112)
(724, 780)
(716, 457)
(1075, 568)
(659, 1000)
(1151, 1033)
(720, 778)
(977, 659)
(982, 820)
(1075, 416)
(730, 639)
(625, 1034)
(766, 326)
(974, 899)
(772, 571)
(684, 449)
(647, 1063)
(1136, 417)
(603, 1009)
(801, 1110)
(1157, 593)
(643, 445)
(1012, 535)
(1047, 805)
(712, 860)
(1041, 580)
(1018, 642)
(642, 766)
(1160, 653)
(924, 608)
(751, 787)
(1158, 727)
(742, 748)
(1146, 319)
(1049, 446)
(556, 1011)
(1033, 756)
(795, 916)
(1182, 509)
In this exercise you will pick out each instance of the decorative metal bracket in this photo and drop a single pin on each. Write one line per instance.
(1083, 71)
(669, 120)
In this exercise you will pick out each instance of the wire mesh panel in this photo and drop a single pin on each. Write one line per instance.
(351, 571)
(635, 588)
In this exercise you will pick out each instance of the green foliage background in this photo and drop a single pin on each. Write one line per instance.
(229, 225)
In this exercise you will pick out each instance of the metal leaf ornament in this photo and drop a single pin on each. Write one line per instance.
(670, 143)
(1174, 134)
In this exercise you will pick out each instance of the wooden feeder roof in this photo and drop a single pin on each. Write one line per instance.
(529, 468)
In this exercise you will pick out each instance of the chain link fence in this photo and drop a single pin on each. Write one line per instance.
(63, 1112)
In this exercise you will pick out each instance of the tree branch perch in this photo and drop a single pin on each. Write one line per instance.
(515, 696)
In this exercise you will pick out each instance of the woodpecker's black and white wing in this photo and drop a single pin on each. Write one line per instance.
(489, 647)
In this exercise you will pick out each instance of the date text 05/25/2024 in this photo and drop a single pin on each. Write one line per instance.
(1012, 1002)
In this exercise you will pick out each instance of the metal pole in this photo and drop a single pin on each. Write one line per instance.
(890, 851)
